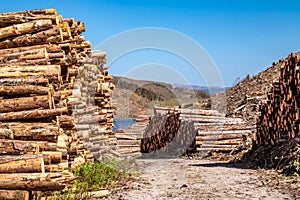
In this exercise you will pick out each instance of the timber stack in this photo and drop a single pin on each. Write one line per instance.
(92, 107)
(180, 131)
(215, 131)
(280, 115)
(129, 140)
(44, 113)
(160, 132)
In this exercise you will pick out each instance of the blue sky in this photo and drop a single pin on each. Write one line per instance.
(241, 37)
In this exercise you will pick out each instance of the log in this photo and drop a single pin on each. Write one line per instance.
(27, 165)
(220, 124)
(41, 61)
(57, 167)
(49, 47)
(130, 150)
(90, 119)
(31, 80)
(14, 194)
(31, 12)
(27, 16)
(19, 29)
(55, 156)
(217, 146)
(125, 137)
(222, 149)
(34, 57)
(222, 132)
(60, 95)
(33, 114)
(10, 158)
(190, 112)
(15, 147)
(23, 90)
(25, 103)
(24, 55)
(128, 146)
(20, 147)
(21, 71)
(36, 181)
(128, 142)
(218, 136)
(220, 142)
(65, 121)
(43, 37)
(29, 131)
(210, 127)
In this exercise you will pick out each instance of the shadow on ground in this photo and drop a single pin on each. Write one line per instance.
(241, 165)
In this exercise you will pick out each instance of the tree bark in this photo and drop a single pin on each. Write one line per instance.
(41, 70)
(55, 156)
(15, 147)
(66, 121)
(20, 147)
(23, 90)
(10, 158)
(223, 132)
(208, 136)
(25, 103)
(49, 47)
(27, 80)
(19, 29)
(32, 114)
(43, 37)
(36, 181)
(221, 149)
(57, 167)
(10, 18)
(220, 142)
(24, 55)
(90, 119)
(27, 165)
(29, 131)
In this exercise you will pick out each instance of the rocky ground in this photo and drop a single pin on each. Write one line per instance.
(205, 179)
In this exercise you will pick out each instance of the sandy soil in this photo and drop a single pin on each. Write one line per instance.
(198, 179)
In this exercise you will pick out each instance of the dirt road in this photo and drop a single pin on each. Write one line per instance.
(198, 179)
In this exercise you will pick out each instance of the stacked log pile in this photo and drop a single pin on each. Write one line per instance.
(180, 131)
(129, 140)
(92, 107)
(160, 131)
(279, 119)
(128, 145)
(222, 136)
(215, 131)
(43, 120)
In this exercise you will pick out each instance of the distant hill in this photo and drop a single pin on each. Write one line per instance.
(210, 90)
(133, 97)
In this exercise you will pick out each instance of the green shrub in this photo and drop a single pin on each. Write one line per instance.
(98, 174)
(93, 176)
